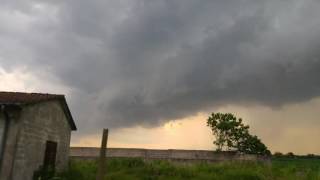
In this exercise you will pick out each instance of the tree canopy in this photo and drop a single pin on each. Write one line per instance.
(232, 135)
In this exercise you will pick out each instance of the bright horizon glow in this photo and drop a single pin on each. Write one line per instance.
(192, 132)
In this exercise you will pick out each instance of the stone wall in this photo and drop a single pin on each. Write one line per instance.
(39, 123)
(171, 154)
(2, 131)
(9, 151)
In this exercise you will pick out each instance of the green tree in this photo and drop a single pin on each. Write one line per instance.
(278, 154)
(290, 154)
(232, 134)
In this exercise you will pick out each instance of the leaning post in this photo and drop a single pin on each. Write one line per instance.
(102, 159)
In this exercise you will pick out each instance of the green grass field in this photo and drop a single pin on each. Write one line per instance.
(132, 169)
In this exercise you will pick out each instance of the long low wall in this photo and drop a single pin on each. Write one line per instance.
(171, 154)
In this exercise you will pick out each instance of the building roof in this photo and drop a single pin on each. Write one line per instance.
(22, 98)
(26, 98)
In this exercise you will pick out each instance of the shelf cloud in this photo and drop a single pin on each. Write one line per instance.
(143, 62)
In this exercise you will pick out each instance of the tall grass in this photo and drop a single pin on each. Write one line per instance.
(131, 169)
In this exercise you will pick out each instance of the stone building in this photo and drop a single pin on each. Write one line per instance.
(35, 131)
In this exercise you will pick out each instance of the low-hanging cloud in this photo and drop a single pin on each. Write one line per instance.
(145, 62)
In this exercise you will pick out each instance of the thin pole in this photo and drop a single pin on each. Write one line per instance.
(102, 159)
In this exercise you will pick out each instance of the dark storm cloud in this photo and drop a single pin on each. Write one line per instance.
(145, 62)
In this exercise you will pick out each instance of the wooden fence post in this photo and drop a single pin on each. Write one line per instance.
(102, 159)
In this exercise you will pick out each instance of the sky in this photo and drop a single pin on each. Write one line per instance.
(152, 71)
